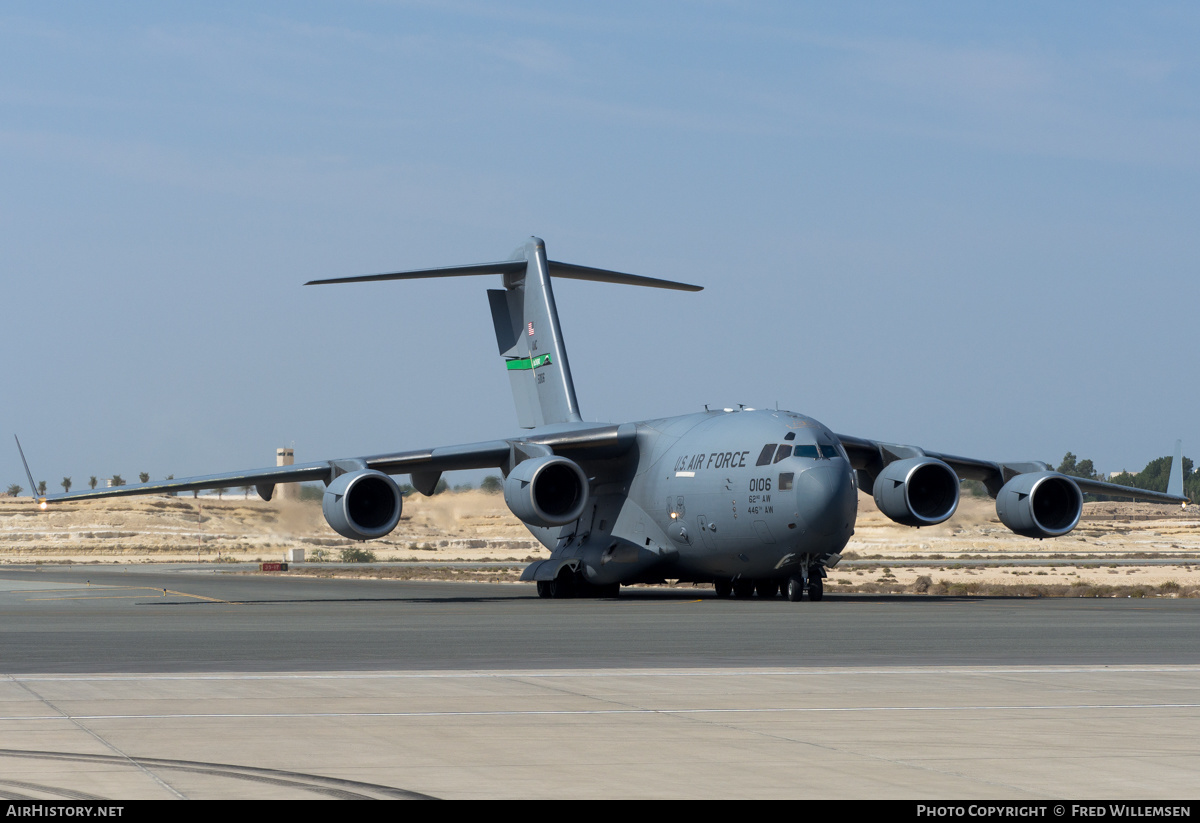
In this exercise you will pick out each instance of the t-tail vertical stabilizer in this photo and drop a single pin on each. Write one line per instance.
(530, 340)
(528, 333)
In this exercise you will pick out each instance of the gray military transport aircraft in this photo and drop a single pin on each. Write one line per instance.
(749, 500)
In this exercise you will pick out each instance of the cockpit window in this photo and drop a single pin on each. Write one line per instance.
(764, 457)
(783, 452)
(829, 451)
(808, 450)
(790, 436)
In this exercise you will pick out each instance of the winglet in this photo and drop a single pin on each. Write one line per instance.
(1175, 479)
(29, 474)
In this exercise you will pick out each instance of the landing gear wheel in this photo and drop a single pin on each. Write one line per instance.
(545, 588)
(794, 589)
(767, 588)
(816, 586)
(724, 587)
(743, 589)
(563, 586)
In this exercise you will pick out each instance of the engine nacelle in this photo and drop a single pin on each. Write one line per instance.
(546, 491)
(362, 505)
(1040, 504)
(917, 491)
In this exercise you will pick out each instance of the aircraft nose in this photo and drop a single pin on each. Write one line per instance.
(825, 498)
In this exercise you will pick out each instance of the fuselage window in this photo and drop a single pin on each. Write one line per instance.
(764, 457)
(783, 453)
(790, 436)
(785, 481)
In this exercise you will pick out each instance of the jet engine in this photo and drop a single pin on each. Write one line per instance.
(362, 505)
(917, 491)
(546, 491)
(1040, 504)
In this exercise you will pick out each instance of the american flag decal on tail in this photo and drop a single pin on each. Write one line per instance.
(531, 329)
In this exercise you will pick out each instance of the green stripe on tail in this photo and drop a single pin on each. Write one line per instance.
(528, 362)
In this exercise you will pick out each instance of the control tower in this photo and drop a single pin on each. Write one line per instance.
(286, 491)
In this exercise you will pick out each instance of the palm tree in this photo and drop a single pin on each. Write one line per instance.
(42, 488)
(118, 480)
(144, 477)
(66, 484)
(92, 481)
(14, 490)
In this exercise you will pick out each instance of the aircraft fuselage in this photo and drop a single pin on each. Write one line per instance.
(714, 495)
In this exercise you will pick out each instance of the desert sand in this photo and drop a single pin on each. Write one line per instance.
(1126, 544)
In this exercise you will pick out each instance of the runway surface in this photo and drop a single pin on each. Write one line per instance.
(149, 620)
(153, 682)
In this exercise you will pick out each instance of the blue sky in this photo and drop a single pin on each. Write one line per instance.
(965, 226)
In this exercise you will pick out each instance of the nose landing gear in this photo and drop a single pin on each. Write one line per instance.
(809, 579)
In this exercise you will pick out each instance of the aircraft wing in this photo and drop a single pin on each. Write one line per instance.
(425, 465)
(871, 456)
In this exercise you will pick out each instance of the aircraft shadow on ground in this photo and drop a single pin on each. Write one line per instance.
(330, 600)
(648, 595)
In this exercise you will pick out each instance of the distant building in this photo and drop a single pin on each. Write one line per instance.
(286, 491)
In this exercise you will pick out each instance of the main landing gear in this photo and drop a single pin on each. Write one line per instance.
(743, 588)
(793, 588)
(767, 588)
(571, 584)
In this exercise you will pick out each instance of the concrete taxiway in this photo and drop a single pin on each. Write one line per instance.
(164, 683)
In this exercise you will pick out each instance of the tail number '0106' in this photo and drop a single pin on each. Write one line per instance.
(760, 484)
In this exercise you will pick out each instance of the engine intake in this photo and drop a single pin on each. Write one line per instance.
(917, 491)
(362, 505)
(1040, 504)
(546, 491)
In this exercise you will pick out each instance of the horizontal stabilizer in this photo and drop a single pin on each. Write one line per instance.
(572, 272)
(503, 267)
(568, 271)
